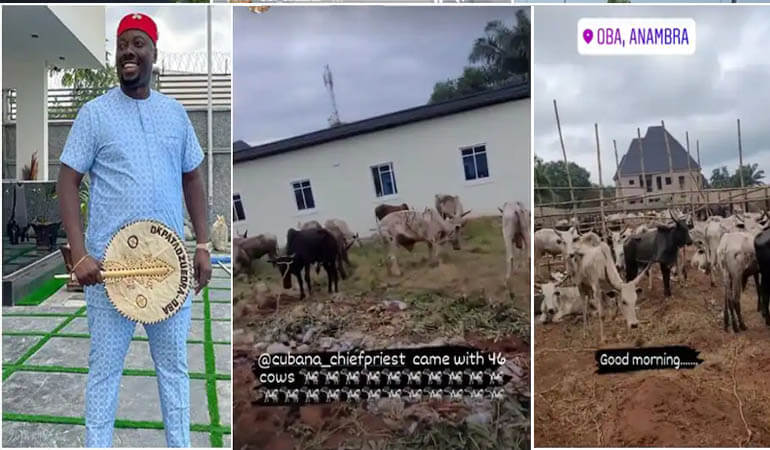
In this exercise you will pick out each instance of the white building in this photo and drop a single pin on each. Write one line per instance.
(36, 38)
(477, 147)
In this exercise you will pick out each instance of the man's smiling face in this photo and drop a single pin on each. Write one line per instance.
(134, 58)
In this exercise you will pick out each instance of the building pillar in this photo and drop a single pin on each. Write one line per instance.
(32, 119)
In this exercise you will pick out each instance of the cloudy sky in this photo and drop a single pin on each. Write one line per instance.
(383, 59)
(181, 29)
(704, 93)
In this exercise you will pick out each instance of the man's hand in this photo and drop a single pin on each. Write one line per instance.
(202, 267)
(88, 272)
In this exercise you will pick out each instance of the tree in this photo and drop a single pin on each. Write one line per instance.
(553, 174)
(618, 1)
(86, 84)
(500, 57)
(752, 176)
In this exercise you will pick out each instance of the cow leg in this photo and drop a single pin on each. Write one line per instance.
(759, 292)
(598, 300)
(433, 249)
(299, 281)
(666, 271)
(727, 305)
(307, 279)
(394, 269)
(765, 285)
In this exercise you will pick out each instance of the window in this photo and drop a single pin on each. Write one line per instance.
(475, 162)
(238, 213)
(668, 181)
(384, 180)
(657, 180)
(303, 193)
(631, 182)
(681, 181)
(648, 182)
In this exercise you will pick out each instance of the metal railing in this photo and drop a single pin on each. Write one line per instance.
(190, 90)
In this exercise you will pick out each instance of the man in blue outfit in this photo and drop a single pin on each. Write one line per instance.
(141, 153)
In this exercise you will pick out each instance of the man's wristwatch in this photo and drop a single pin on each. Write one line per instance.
(204, 246)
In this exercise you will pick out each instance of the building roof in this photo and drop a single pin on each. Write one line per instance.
(240, 145)
(505, 94)
(655, 156)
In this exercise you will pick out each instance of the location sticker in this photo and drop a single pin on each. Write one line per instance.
(636, 36)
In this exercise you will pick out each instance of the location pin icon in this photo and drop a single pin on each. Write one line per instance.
(588, 35)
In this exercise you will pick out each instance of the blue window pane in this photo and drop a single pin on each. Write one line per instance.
(300, 200)
(470, 168)
(482, 171)
(387, 185)
(309, 197)
(295, 186)
(393, 179)
(467, 152)
(377, 184)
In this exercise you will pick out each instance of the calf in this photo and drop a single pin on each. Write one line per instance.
(405, 228)
(659, 246)
(247, 250)
(515, 235)
(593, 272)
(736, 259)
(383, 210)
(617, 240)
(304, 248)
(762, 252)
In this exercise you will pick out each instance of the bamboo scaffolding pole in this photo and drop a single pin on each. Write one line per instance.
(564, 153)
(601, 185)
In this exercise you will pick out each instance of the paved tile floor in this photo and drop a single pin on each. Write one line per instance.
(45, 365)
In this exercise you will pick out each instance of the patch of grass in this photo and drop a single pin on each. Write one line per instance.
(39, 295)
(211, 384)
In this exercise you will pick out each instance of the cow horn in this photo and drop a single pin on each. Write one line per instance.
(465, 213)
(500, 209)
(609, 280)
(641, 274)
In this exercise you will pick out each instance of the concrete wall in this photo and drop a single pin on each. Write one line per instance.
(426, 160)
(630, 185)
(59, 130)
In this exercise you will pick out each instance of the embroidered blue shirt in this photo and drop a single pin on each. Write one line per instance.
(135, 152)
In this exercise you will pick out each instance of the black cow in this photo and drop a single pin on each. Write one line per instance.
(762, 248)
(661, 246)
(305, 247)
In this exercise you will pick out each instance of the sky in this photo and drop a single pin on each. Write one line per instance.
(703, 94)
(181, 29)
(383, 59)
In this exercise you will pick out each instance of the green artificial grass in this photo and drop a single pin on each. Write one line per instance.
(211, 382)
(215, 430)
(39, 295)
(19, 254)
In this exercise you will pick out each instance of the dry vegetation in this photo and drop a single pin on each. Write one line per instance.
(705, 406)
(462, 300)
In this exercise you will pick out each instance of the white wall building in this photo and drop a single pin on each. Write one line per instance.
(477, 147)
(35, 38)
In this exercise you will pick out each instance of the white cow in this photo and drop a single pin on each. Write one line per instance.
(554, 242)
(595, 272)
(737, 261)
(700, 259)
(405, 228)
(558, 302)
(516, 221)
(619, 239)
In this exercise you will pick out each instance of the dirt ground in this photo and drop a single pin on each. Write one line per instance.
(463, 300)
(724, 402)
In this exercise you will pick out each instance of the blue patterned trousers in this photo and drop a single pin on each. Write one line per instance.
(111, 335)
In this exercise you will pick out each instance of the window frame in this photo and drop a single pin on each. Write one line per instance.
(306, 210)
(235, 209)
(477, 180)
(392, 196)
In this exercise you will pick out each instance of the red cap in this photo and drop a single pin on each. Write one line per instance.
(141, 22)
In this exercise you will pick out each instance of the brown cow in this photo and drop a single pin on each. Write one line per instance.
(383, 210)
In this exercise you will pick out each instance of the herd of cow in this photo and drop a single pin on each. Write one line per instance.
(737, 247)
(398, 226)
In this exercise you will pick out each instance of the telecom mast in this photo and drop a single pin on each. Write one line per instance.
(334, 119)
